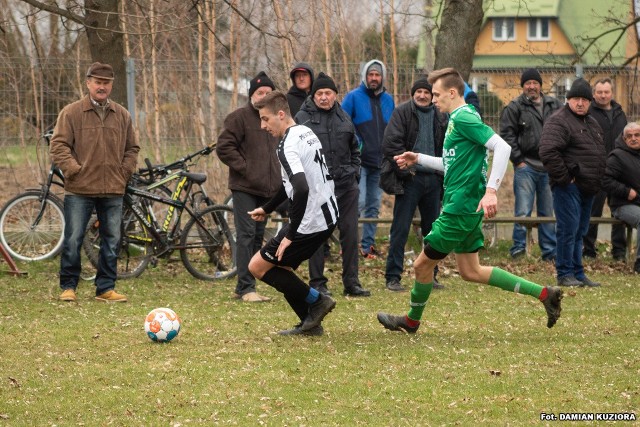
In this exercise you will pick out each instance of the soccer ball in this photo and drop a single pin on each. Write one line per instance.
(162, 324)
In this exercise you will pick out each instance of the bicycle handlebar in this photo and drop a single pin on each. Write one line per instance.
(151, 170)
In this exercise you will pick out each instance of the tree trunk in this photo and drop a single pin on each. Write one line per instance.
(459, 29)
(106, 43)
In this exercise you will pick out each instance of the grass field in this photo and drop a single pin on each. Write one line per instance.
(481, 357)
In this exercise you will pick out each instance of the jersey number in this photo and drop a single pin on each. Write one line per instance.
(324, 170)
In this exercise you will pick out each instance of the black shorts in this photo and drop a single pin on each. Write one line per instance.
(301, 248)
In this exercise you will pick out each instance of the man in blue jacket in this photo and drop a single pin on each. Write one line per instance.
(370, 108)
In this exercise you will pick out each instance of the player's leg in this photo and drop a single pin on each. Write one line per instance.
(471, 270)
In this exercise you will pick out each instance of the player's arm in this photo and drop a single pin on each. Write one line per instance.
(409, 158)
(298, 203)
(501, 152)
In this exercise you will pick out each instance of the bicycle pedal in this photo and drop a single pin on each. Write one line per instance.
(154, 262)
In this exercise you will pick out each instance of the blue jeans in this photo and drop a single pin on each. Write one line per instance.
(369, 204)
(630, 214)
(77, 211)
(573, 211)
(529, 185)
(423, 192)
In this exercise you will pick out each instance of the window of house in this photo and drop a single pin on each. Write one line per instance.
(538, 29)
(504, 29)
(560, 89)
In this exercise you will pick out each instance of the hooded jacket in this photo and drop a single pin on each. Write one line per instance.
(370, 112)
(622, 174)
(571, 148)
(338, 137)
(295, 96)
(521, 126)
(250, 153)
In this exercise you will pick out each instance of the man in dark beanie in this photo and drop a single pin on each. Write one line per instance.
(521, 126)
(572, 151)
(254, 177)
(417, 126)
(321, 112)
(302, 78)
(95, 146)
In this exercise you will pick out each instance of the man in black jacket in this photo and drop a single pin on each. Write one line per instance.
(521, 126)
(302, 78)
(572, 151)
(612, 120)
(321, 112)
(414, 126)
(622, 181)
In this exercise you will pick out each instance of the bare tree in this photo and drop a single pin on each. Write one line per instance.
(459, 28)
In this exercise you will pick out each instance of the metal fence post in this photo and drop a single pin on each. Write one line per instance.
(131, 88)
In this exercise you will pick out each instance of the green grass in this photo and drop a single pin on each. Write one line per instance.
(482, 356)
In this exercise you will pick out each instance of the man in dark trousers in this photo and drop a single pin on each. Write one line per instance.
(612, 120)
(254, 177)
(417, 126)
(321, 113)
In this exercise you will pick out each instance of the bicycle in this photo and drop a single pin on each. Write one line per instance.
(32, 223)
(153, 179)
(206, 243)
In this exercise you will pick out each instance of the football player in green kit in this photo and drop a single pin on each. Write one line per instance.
(468, 197)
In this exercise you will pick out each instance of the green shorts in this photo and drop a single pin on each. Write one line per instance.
(461, 234)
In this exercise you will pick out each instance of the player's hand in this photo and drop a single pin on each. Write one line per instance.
(489, 203)
(283, 245)
(406, 159)
(258, 214)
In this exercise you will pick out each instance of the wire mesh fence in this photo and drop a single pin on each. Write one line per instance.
(177, 110)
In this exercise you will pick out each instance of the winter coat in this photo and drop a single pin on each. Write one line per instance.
(370, 112)
(250, 153)
(338, 137)
(571, 148)
(400, 136)
(622, 174)
(97, 157)
(612, 129)
(521, 127)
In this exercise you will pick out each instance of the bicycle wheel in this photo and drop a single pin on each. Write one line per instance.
(135, 245)
(208, 244)
(31, 230)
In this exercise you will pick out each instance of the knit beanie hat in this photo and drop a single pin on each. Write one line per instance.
(580, 89)
(258, 81)
(374, 67)
(323, 82)
(530, 74)
(421, 83)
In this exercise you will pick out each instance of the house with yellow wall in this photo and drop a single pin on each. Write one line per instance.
(563, 39)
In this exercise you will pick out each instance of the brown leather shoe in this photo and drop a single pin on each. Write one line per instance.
(254, 297)
(68, 295)
(111, 296)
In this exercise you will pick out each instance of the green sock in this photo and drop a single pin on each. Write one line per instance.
(419, 296)
(510, 282)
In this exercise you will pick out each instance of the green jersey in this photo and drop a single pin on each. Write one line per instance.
(465, 159)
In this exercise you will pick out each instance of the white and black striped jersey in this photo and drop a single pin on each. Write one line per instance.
(299, 151)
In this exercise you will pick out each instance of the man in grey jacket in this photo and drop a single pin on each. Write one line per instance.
(521, 126)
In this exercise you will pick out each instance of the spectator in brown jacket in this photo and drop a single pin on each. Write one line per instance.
(572, 151)
(95, 146)
(254, 177)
